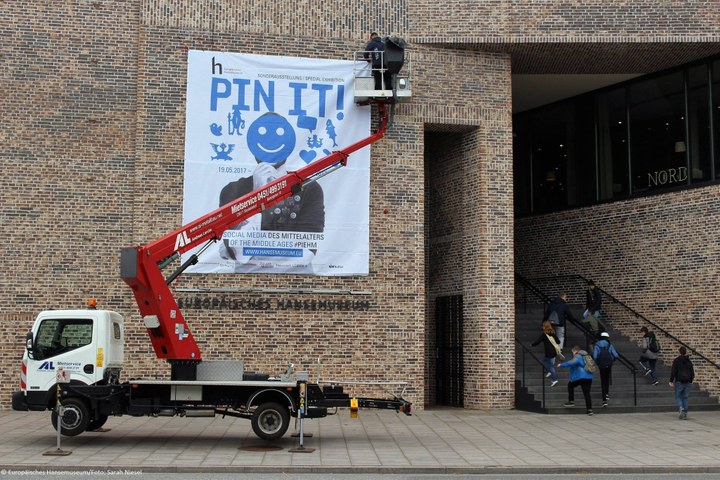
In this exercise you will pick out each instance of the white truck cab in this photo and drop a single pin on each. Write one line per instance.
(87, 344)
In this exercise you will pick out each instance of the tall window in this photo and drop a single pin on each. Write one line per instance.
(522, 165)
(562, 155)
(699, 143)
(613, 165)
(658, 147)
(716, 113)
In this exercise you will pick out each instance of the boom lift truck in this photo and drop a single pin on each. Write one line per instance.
(87, 345)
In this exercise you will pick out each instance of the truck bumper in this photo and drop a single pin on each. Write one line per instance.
(34, 401)
(19, 402)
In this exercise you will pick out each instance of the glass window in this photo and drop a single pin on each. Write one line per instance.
(716, 113)
(549, 170)
(56, 336)
(563, 156)
(658, 152)
(614, 175)
(643, 136)
(698, 145)
(522, 166)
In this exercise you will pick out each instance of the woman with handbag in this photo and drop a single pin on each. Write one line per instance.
(552, 349)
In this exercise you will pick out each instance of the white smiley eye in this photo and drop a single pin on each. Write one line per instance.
(262, 130)
(280, 131)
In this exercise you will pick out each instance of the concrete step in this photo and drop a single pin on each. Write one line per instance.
(579, 408)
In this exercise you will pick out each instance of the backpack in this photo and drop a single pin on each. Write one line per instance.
(553, 318)
(605, 359)
(654, 345)
(590, 365)
(685, 371)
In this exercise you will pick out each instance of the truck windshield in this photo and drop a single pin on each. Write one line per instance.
(60, 335)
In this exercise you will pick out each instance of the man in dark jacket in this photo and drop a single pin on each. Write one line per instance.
(374, 52)
(682, 375)
(556, 313)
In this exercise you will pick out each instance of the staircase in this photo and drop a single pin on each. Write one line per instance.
(530, 376)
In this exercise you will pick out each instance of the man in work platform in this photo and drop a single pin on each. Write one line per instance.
(374, 53)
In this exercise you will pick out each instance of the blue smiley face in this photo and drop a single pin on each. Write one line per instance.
(271, 138)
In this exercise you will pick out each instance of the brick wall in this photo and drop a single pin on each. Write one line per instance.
(510, 21)
(95, 131)
(68, 154)
(470, 224)
(658, 254)
(92, 151)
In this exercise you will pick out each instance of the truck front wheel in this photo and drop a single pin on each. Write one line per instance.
(270, 421)
(75, 417)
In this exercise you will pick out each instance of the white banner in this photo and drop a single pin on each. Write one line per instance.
(252, 118)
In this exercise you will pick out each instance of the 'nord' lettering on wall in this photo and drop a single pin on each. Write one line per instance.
(671, 175)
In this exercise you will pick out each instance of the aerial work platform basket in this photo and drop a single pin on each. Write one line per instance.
(395, 64)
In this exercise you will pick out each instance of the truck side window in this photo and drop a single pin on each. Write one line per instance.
(60, 335)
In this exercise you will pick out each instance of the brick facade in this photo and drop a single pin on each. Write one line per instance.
(93, 122)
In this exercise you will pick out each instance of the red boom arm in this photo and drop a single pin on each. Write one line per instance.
(140, 267)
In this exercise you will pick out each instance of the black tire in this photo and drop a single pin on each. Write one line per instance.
(94, 424)
(270, 421)
(76, 417)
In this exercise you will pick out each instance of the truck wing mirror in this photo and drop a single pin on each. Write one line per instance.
(29, 344)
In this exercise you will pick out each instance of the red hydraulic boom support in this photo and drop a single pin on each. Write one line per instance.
(141, 267)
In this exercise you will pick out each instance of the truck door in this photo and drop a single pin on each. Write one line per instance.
(62, 342)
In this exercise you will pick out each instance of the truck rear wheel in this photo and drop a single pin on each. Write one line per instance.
(96, 423)
(75, 417)
(270, 421)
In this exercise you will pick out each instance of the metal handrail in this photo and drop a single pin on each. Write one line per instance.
(526, 283)
(526, 350)
(637, 315)
(589, 336)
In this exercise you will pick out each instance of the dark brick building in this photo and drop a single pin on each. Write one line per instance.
(93, 120)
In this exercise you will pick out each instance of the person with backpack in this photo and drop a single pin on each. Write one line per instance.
(682, 375)
(650, 348)
(582, 366)
(552, 349)
(605, 355)
(556, 313)
(593, 302)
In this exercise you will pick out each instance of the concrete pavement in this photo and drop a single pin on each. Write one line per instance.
(431, 441)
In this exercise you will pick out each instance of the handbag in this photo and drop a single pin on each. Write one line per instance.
(557, 347)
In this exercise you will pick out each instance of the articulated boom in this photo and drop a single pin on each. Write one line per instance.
(140, 267)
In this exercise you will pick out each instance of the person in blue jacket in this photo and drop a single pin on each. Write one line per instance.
(578, 376)
(605, 355)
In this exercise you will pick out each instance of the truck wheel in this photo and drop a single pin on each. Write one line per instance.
(94, 424)
(270, 421)
(75, 417)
